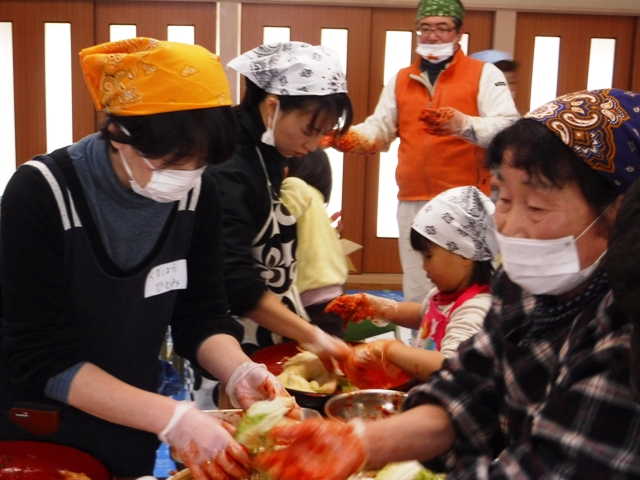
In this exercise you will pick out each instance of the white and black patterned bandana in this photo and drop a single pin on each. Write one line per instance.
(292, 68)
(461, 220)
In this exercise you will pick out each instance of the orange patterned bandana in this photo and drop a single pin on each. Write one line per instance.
(144, 76)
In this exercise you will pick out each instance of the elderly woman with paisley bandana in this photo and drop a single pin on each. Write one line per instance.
(542, 391)
(295, 93)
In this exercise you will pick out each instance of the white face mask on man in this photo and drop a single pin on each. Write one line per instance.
(165, 185)
(435, 52)
(545, 267)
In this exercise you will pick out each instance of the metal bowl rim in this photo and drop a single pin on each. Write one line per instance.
(380, 391)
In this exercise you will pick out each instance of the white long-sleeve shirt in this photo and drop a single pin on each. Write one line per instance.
(495, 106)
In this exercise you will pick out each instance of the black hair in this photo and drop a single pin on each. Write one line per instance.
(321, 106)
(315, 169)
(544, 157)
(507, 65)
(482, 270)
(209, 133)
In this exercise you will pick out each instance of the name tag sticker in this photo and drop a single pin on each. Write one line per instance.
(166, 277)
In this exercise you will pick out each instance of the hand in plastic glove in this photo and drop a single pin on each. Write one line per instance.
(327, 140)
(368, 365)
(362, 306)
(252, 382)
(317, 450)
(444, 121)
(204, 445)
(351, 142)
(326, 347)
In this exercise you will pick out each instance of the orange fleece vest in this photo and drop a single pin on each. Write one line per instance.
(427, 164)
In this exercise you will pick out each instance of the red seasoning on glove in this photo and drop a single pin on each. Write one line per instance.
(317, 449)
(352, 308)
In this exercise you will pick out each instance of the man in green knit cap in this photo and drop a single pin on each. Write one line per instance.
(445, 108)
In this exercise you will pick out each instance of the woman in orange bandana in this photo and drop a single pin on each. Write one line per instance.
(108, 242)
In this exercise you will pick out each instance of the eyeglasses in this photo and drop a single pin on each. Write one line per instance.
(438, 31)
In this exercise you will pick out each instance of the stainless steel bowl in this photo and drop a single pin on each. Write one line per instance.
(365, 404)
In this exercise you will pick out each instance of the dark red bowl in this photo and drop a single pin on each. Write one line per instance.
(274, 357)
(24, 460)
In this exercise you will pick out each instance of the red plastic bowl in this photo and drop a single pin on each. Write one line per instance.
(275, 356)
(23, 460)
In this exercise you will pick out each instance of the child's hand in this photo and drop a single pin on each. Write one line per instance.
(368, 365)
(362, 306)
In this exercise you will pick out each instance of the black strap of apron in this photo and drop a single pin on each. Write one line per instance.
(61, 165)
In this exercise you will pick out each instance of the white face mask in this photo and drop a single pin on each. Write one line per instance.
(545, 267)
(165, 185)
(268, 137)
(435, 52)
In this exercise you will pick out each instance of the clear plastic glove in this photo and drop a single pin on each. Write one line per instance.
(327, 140)
(326, 347)
(368, 365)
(317, 449)
(251, 382)
(362, 306)
(444, 121)
(204, 445)
(352, 142)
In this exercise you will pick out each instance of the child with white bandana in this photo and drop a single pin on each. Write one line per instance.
(454, 234)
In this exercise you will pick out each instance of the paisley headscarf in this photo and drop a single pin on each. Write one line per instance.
(460, 220)
(144, 76)
(292, 68)
(602, 127)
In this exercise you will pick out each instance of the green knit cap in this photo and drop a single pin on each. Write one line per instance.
(440, 8)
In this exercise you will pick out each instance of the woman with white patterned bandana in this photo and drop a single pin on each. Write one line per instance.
(295, 93)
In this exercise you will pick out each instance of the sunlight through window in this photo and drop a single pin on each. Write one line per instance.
(276, 34)
(121, 32)
(181, 34)
(464, 43)
(57, 72)
(544, 79)
(338, 40)
(601, 58)
(397, 55)
(7, 107)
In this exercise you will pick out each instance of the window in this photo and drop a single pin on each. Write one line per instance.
(57, 71)
(7, 107)
(338, 40)
(544, 79)
(276, 34)
(601, 57)
(121, 32)
(181, 34)
(397, 55)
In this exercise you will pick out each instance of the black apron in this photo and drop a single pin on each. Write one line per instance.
(122, 330)
(274, 253)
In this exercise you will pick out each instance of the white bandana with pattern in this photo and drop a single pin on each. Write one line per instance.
(461, 220)
(292, 68)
